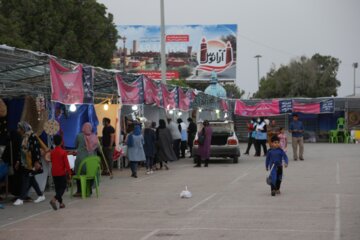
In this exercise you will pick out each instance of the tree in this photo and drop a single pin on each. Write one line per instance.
(78, 30)
(184, 72)
(179, 82)
(314, 77)
(233, 91)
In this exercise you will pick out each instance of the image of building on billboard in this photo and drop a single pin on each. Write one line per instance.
(193, 52)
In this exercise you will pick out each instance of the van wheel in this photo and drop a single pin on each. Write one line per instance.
(235, 159)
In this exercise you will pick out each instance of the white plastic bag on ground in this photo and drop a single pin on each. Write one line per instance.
(185, 193)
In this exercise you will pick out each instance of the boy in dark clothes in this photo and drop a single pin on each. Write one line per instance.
(274, 161)
(60, 166)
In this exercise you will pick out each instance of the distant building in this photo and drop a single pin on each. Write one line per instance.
(189, 50)
(175, 62)
(135, 47)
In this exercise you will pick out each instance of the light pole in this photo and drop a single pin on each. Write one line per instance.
(258, 68)
(124, 52)
(162, 55)
(355, 66)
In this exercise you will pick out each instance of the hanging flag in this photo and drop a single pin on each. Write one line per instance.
(88, 85)
(169, 97)
(184, 99)
(66, 83)
(224, 105)
(130, 93)
(152, 93)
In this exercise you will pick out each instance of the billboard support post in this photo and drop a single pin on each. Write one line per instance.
(163, 56)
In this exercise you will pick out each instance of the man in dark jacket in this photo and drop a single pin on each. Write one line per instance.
(192, 129)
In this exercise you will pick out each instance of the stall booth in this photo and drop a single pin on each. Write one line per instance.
(27, 94)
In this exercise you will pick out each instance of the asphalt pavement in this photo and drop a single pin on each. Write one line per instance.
(320, 199)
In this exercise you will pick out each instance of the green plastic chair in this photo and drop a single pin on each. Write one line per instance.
(340, 124)
(333, 136)
(92, 164)
(347, 137)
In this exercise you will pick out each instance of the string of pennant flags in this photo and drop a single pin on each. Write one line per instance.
(75, 86)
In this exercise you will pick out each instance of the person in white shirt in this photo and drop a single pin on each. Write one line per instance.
(184, 136)
(176, 136)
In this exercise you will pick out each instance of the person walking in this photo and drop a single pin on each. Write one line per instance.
(272, 130)
(251, 135)
(283, 139)
(165, 151)
(61, 172)
(261, 137)
(149, 146)
(297, 131)
(30, 163)
(135, 150)
(108, 143)
(184, 136)
(192, 129)
(204, 147)
(86, 145)
(176, 136)
(274, 163)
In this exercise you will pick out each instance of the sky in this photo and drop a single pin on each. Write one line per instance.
(278, 30)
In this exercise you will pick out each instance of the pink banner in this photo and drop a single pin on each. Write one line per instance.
(168, 97)
(184, 100)
(129, 93)
(151, 90)
(66, 84)
(263, 108)
(224, 105)
(313, 108)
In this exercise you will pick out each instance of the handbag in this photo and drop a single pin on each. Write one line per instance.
(268, 178)
(201, 138)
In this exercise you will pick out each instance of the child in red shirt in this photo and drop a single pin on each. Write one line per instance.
(60, 166)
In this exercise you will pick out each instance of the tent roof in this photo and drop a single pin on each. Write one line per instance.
(25, 72)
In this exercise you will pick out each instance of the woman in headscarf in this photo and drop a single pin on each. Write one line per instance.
(204, 148)
(135, 149)
(165, 151)
(261, 137)
(29, 164)
(86, 144)
(149, 146)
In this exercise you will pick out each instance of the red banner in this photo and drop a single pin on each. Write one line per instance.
(156, 75)
(177, 38)
(184, 100)
(151, 90)
(129, 93)
(169, 97)
(66, 84)
(263, 108)
(224, 105)
(313, 108)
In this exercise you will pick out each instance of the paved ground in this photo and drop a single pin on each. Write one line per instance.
(320, 200)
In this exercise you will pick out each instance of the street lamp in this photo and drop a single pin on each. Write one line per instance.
(258, 68)
(162, 51)
(355, 66)
(124, 52)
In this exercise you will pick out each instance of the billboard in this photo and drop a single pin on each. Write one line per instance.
(192, 51)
